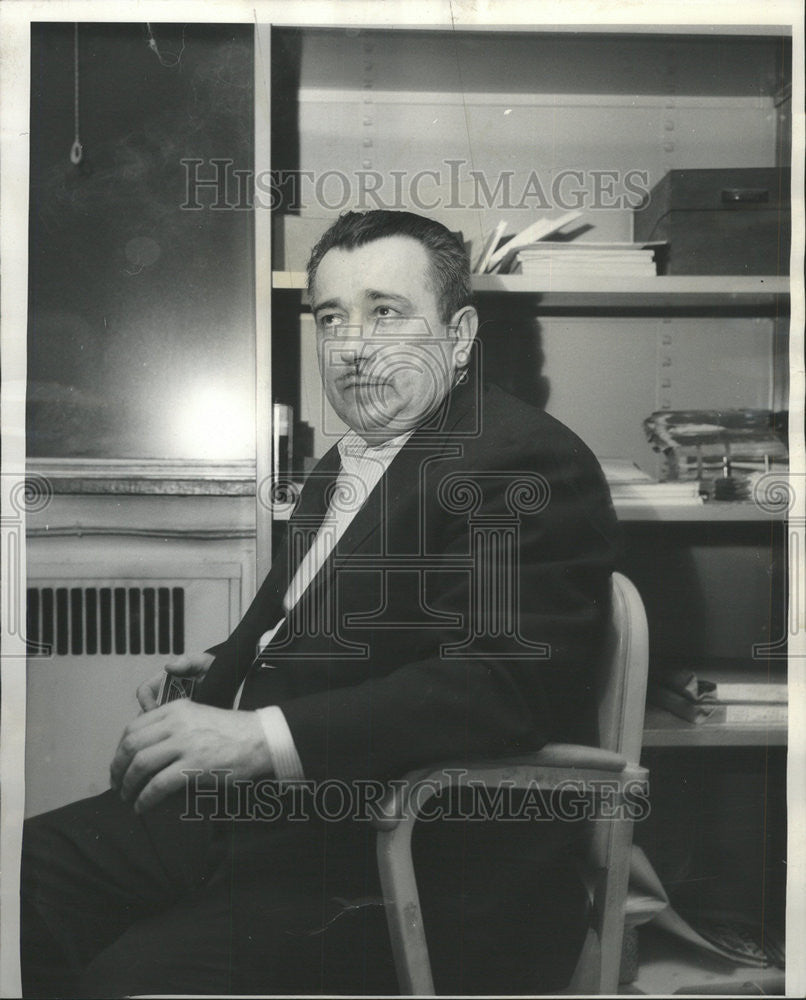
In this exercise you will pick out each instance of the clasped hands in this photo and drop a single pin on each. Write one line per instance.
(165, 741)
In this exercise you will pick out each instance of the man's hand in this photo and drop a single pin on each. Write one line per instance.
(160, 744)
(192, 665)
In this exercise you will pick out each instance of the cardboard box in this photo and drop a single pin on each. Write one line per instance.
(732, 221)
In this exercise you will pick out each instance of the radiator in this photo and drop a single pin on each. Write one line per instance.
(98, 638)
(114, 620)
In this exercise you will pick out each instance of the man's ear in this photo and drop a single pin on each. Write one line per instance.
(462, 331)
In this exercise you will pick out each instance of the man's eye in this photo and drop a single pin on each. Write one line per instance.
(330, 319)
(385, 312)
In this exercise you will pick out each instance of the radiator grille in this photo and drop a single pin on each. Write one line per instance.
(107, 620)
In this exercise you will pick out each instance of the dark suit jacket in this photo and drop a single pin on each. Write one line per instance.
(515, 578)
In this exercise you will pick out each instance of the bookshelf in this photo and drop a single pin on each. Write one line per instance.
(694, 97)
(750, 292)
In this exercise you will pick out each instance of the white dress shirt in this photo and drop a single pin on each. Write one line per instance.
(362, 466)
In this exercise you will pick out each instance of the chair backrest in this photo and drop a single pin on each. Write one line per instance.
(625, 664)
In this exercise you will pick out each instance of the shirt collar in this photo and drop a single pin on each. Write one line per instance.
(353, 447)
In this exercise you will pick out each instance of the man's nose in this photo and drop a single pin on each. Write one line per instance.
(356, 351)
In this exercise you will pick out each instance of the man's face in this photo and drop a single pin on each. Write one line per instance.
(386, 357)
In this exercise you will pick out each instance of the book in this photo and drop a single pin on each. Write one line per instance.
(489, 248)
(759, 692)
(622, 470)
(531, 234)
(755, 713)
(549, 261)
(696, 711)
(747, 684)
(687, 492)
(734, 696)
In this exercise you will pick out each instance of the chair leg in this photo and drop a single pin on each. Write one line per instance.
(403, 912)
(612, 924)
(585, 980)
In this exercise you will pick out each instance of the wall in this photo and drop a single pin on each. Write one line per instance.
(141, 345)
(79, 702)
(141, 310)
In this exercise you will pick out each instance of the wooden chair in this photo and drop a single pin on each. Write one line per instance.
(616, 761)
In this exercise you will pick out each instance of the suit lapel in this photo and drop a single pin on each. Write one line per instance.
(309, 513)
(402, 480)
(398, 486)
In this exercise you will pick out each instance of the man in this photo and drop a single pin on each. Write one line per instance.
(441, 594)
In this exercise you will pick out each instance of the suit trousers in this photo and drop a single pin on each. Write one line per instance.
(115, 904)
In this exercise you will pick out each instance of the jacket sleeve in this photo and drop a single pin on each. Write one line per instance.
(234, 656)
(498, 700)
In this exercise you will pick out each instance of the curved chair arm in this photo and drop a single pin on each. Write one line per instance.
(553, 765)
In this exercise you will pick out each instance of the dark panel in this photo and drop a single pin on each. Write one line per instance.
(106, 620)
(120, 620)
(149, 620)
(178, 620)
(91, 619)
(134, 620)
(76, 621)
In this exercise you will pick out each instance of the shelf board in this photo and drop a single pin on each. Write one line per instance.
(678, 290)
(662, 729)
(710, 512)
(752, 291)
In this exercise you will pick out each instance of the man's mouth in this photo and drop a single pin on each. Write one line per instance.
(353, 381)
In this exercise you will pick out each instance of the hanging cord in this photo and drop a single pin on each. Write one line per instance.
(76, 150)
(152, 44)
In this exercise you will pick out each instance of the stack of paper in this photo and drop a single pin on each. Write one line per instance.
(552, 262)
(622, 470)
(735, 696)
(498, 257)
(750, 696)
(628, 483)
(685, 492)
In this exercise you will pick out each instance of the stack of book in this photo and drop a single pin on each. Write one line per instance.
(659, 494)
(685, 695)
(749, 696)
(554, 262)
(531, 254)
(699, 443)
(629, 484)
(499, 250)
(736, 696)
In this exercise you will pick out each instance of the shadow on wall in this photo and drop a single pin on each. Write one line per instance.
(513, 347)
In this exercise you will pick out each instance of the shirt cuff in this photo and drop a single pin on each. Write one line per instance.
(287, 765)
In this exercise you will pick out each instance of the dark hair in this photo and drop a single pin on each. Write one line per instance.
(450, 267)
